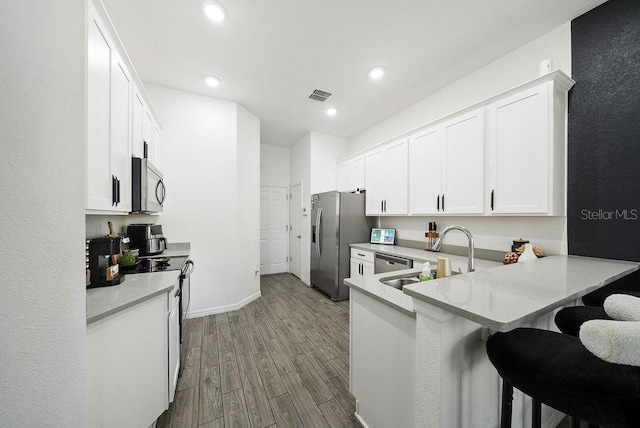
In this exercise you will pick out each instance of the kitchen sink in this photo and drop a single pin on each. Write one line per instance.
(400, 281)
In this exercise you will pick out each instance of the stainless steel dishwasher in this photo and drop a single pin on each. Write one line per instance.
(388, 263)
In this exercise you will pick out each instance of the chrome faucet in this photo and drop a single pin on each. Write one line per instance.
(471, 265)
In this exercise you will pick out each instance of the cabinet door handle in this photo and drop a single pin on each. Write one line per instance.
(443, 202)
(492, 199)
(385, 205)
(381, 206)
(118, 190)
(362, 269)
(145, 150)
(438, 202)
(113, 190)
(361, 255)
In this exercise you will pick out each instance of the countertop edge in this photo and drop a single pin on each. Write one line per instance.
(507, 325)
(129, 304)
(380, 299)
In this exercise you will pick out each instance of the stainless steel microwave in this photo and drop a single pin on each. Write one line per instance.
(147, 187)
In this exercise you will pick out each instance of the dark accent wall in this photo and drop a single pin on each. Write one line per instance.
(603, 193)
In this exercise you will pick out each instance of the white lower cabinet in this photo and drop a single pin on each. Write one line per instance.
(127, 362)
(362, 263)
(383, 362)
(174, 340)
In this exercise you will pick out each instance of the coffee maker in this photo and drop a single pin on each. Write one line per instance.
(103, 273)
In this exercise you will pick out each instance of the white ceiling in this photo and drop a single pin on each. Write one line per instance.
(271, 54)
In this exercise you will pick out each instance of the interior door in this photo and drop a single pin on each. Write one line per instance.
(295, 230)
(273, 225)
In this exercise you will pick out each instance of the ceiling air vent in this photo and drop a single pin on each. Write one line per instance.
(319, 95)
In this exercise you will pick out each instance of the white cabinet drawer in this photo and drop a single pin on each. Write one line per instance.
(363, 255)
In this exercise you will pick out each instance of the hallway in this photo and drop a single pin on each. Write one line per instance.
(282, 360)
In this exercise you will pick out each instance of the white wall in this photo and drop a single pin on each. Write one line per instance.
(506, 72)
(201, 168)
(43, 317)
(509, 71)
(274, 166)
(326, 150)
(301, 174)
(247, 251)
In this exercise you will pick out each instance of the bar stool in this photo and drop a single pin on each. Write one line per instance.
(568, 320)
(558, 370)
(628, 285)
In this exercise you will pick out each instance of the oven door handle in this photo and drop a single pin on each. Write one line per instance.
(187, 270)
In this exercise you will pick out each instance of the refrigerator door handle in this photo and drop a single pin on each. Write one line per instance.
(318, 233)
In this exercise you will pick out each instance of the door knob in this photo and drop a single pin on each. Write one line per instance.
(298, 236)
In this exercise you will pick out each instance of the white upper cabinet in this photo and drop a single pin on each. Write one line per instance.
(522, 135)
(121, 89)
(446, 167)
(526, 152)
(425, 171)
(139, 106)
(157, 147)
(146, 131)
(463, 151)
(100, 190)
(387, 179)
(109, 87)
(351, 174)
(118, 118)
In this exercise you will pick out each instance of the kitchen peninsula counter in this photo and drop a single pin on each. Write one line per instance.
(506, 297)
(418, 355)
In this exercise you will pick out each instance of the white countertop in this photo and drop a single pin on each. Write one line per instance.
(503, 298)
(393, 297)
(136, 288)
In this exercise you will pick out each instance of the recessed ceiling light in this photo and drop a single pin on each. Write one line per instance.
(212, 81)
(214, 10)
(376, 72)
(331, 111)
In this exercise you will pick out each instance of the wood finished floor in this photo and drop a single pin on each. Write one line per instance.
(281, 361)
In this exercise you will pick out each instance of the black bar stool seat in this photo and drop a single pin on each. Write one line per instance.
(557, 370)
(569, 320)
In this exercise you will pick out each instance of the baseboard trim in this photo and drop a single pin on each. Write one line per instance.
(359, 418)
(221, 309)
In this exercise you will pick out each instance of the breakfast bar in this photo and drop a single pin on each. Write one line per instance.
(452, 382)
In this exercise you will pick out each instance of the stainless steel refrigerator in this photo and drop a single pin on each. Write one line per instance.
(337, 220)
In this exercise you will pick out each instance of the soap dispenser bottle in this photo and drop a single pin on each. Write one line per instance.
(425, 275)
